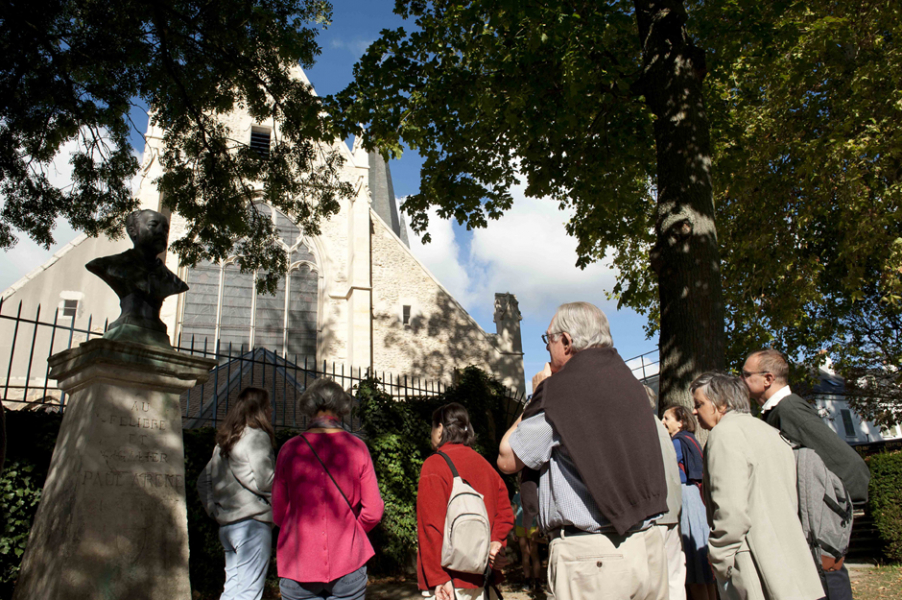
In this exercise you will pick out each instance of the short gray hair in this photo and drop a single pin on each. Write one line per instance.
(325, 394)
(723, 391)
(773, 362)
(586, 324)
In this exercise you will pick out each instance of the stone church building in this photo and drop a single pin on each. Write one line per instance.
(355, 295)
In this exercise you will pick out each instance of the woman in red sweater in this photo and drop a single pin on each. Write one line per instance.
(453, 434)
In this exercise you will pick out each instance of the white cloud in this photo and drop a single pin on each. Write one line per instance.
(442, 256)
(26, 255)
(527, 252)
(645, 366)
(356, 46)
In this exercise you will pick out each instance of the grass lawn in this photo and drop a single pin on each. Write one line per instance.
(877, 582)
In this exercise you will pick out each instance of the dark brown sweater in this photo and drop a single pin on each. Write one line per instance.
(602, 414)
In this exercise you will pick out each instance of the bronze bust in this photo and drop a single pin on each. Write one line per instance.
(140, 279)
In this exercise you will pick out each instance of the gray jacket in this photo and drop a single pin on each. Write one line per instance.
(240, 487)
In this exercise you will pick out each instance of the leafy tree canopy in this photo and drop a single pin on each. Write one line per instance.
(805, 109)
(595, 105)
(73, 69)
(490, 91)
(804, 104)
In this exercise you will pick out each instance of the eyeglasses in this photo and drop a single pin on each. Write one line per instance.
(745, 374)
(546, 337)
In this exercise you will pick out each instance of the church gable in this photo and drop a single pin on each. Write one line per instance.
(354, 294)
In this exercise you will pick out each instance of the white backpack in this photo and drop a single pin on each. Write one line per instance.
(467, 538)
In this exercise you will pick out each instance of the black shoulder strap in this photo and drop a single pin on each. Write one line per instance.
(450, 464)
(327, 472)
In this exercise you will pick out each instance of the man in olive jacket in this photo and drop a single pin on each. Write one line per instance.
(766, 375)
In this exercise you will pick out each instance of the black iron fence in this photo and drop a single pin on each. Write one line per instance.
(26, 343)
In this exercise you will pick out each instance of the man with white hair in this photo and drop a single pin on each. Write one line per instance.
(591, 435)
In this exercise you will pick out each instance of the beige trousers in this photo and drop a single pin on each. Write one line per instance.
(676, 560)
(609, 567)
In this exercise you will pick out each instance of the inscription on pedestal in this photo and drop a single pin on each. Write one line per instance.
(144, 448)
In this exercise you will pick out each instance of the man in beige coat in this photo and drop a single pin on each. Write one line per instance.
(756, 547)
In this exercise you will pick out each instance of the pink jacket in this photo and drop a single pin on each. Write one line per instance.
(320, 539)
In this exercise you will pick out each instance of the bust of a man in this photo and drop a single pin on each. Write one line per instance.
(140, 279)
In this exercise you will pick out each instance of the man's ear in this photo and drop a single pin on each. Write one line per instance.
(566, 340)
(769, 379)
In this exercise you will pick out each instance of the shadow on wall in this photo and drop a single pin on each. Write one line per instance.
(445, 339)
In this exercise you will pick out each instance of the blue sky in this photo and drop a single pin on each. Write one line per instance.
(527, 252)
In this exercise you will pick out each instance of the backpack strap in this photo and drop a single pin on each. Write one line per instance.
(450, 464)
(844, 513)
(489, 584)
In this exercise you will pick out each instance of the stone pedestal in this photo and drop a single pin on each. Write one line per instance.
(112, 523)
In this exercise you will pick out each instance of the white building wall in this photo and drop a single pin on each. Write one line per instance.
(440, 336)
(63, 277)
(851, 427)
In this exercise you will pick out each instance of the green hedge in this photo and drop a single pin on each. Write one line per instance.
(396, 431)
(885, 501)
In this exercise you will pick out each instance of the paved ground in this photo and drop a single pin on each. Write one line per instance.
(407, 590)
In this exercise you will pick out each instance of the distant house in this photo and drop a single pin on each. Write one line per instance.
(829, 395)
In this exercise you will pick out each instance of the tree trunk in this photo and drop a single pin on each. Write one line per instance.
(685, 257)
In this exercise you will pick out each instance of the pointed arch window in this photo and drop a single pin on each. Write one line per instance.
(222, 303)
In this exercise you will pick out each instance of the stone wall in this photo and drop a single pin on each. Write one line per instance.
(440, 335)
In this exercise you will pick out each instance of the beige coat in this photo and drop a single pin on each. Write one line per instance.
(672, 474)
(756, 545)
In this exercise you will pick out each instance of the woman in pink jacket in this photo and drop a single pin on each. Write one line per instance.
(325, 499)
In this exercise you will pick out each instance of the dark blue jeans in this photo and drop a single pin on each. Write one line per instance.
(838, 584)
(349, 587)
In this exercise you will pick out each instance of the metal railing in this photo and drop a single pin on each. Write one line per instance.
(31, 342)
(649, 362)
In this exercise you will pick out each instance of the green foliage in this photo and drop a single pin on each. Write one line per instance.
(206, 562)
(596, 106)
(398, 436)
(31, 438)
(549, 99)
(805, 106)
(20, 490)
(885, 500)
(71, 71)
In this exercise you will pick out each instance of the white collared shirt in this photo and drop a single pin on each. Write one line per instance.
(775, 399)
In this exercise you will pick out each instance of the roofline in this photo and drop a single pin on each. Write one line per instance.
(8, 292)
(492, 337)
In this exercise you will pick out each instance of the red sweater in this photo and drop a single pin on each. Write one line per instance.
(432, 504)
(320, 539)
